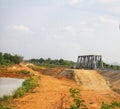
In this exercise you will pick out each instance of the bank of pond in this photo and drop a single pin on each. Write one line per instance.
(11, 88)
(9, 85)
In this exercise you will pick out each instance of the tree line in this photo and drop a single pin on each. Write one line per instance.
(109, 66)
(8, 59)
(50, 61)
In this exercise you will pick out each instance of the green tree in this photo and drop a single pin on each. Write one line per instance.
(1, 57)
(7, 57)
(48, 61)
(61, 62)
(17, 59)
(41, 60)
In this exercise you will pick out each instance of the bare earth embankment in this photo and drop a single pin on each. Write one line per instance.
(53, 91)
(113, 76)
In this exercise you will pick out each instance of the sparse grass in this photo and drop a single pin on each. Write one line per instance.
(50, 65)
(6, 98)
(4, 107)
(117, 90)
(36, 68)
(25, 72)
(4, 101)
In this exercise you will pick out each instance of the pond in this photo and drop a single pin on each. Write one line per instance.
(9, 85)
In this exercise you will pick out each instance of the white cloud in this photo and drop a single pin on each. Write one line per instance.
(83, 27)
(68, 28)
(115, 10)
(19, 27)
(74, 2)
(108, 20)
(108, 1)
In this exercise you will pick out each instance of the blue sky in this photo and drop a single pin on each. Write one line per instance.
(60, 28)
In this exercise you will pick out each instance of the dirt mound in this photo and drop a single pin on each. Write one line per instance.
(89, 79)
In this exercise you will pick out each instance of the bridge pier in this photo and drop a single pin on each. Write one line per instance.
(89, 61)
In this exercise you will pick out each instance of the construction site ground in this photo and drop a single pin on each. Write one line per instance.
(53, 90)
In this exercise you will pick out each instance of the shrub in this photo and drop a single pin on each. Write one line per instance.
(24, 72)
(19, 92)
(27, 85)
(112, 105)
(6, 98)
(116, 90)
(79, 103)
(4, 107)
(4, 101)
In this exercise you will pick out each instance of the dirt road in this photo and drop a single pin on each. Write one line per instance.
(50, 94)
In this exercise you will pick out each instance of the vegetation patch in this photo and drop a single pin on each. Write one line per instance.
(52, 62)
(36, 67)
(79, 102)
(112, 105)
(27, 85)
(109, 66)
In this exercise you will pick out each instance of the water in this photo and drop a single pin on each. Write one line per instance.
(9, 85)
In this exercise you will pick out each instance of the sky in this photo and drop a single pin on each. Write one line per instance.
(61, 28)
